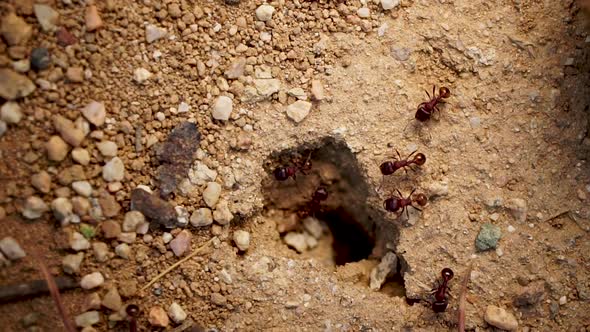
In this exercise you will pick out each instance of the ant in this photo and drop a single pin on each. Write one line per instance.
(440, 293)
(283, 173)
(318, 196)
(389, 167)
(427, 108)
(395, 203)
(132, 311)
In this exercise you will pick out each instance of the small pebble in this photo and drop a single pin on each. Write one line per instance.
(363, 12)
(123, 250)
(133, 219)
(92, 280)
(57, 149)
(15, 29)
(201, 217)
(500, 318)
(81, 156)
(87, 319)
(78, 242)
(264, 12)
(107, 148)
(71, 263)
(296, 240)
(34, 207)
(95, 113)
(114, 170)
(153, 33)
(181, 243)
(211, 193)
(389, 4)
(47, 17)
(298, 110)
(140, 75)
(40, 59)
(41, 181)
(11, 249)
(82, 188)
(218, 299)
(222, 108)
(167, 237)
(562, 300)
(222, 215)
(92, 18)
(157, 317)
(112, 300)
(242, 240)
(176, 313)
(11, 113)
(488, 237)
(62, 209)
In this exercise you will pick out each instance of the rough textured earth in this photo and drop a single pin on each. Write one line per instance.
(91, 94)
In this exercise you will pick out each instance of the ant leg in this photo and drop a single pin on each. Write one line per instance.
(433, 90)
(398, 155)
(419, 209)
(407, 213)
(428, 94)
(410, 195)
(400, 194)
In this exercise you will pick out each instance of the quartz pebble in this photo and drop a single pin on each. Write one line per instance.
(87, 319)
(82, 188)
(11, 113)
(107, 148)
(41, 181)
(81, 156)
(34, 207)
(298, 110)
(222, 215)
(71, 263)
(211, 193)
(181, 243)
(363, 12)
(201, 217)
(92, 280)
(153, 33)
(123, 250)
(78, 242)
(264, 12)
(62, 209)
(242, 240)
(114, 170)
(140, 75)
(57, 149)
(222, 108)
(500, 318)
(296, 241)
(47, 17)
(95, 113)
(389, 4)
(93, 20)
(176, 313)
(11, 249)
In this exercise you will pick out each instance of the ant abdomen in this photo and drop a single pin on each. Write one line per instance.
(392, 204)
(387, 168)
(439, 306)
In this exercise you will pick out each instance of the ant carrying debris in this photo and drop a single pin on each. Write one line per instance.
(389, 167)
(427, 108)
(283, 173)
(440, 293)
(313, 206)
(395, 203)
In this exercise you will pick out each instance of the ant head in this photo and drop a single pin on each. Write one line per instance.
(447, 273)
(420, 159)
(132, 310)
(444, 92)
(391, 204)
(281, 173)
(421, 199)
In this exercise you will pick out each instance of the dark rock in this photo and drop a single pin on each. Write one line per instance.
(176, 155)
(153, 207)
(530, 295)
(40, 58)
(488, 237)
(232, 2)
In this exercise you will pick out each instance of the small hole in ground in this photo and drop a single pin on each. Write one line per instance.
(352, 224)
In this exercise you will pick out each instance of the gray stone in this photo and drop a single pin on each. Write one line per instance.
(112, 300)
(266, 87)
(92, 280)
(176, 313)
(71, 263)
(200, 174)
(87, 319)
(488, 237)
(34, 207)
(363, 12)
(123, 250)
(11, 113)
(11, 249)
(101, 251)
(114, 170)
(298, 110)
(62, 209)
(385, 268)
(242, 240)
(40, 59)
(47, 17)
(201, 217)
(500, 318)
(141, 75)
(400, 53)
(82, 188)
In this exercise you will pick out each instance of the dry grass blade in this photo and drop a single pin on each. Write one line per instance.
(175, 265)
(462, 299)
(56, 296)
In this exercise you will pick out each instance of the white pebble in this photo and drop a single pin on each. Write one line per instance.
(114, 170)
(153, 33)
(92, 280)
(34, 207)
(141, 75)
(11, 113)
(363, 12)
(166, 237)
(389, 4)
(11, 249)
(83, 188)
(242, 240)
(176, 313)
(264, 12)
(222, 108)
(298, 110)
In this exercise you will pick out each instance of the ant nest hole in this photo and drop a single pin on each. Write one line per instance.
(348, 230)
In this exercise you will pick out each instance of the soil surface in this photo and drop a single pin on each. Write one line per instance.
(327, 91)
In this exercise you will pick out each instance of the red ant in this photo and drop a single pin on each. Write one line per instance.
(318, 196)
(426, 108)
(440, 293)
(132, 311)
(389, 167)
(395, 203)
(283, 173)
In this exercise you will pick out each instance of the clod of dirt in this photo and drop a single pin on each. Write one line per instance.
(153, 207)
(176, 155)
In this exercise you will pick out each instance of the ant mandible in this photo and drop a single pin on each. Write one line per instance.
(283, 173)
(395, 203)
(389, 167)
(440, 293)
(426, 108)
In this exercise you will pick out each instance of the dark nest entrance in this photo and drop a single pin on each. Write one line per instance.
(350, 215)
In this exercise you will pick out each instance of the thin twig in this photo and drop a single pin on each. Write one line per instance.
(175, 265)
(555, 216)
(56, 297)
(462, 298)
